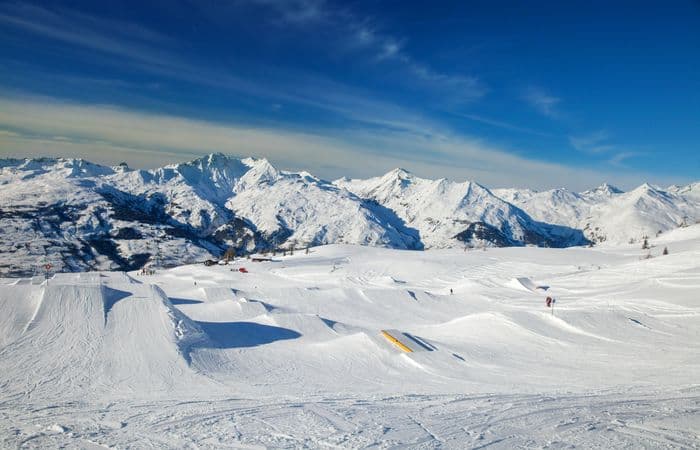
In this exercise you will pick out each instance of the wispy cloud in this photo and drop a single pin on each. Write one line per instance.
(503, 125)
(543, 102)
(389, 49)
(301, 12)
(362, 36)
(460, 88)
(389, 133)
(288, 87)
(355, 33)
(297, 88)
(595, 142)
(109, 36)
(109, 134)
(619, 158)
(8, 133)
(598, 144)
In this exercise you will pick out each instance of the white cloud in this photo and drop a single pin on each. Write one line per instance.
(543, 102)
(108, 36)
(363, 36)
(8, 133)
(109, 135)
(288, 87)
(619, 158)
(459, 88)
(592, 142)
(300, 12)
(389, 49)
(361, 33)
(502, 124)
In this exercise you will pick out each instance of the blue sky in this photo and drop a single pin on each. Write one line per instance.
(529, 94)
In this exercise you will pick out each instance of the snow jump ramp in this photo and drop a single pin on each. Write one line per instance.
(224, 303)
(118, 337)
(529, 285)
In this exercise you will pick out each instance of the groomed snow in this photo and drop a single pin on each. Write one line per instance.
(291, 354)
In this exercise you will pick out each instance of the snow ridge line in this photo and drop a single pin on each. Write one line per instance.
(39, 305)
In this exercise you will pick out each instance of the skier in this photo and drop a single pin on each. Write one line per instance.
(451, 291)
(548, 302)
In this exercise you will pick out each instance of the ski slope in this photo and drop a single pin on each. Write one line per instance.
(352, 346)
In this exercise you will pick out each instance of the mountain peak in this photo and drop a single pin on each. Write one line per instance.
(72, 167)
(605, 189)
(645, 188)
(253, 161)
(213, 160)
(217, 158)
(609, 189)
(122, 167)
(259, 171)
(400, 173)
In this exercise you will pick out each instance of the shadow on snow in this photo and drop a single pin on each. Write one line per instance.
(245, 334)
(111, 297)
(183, 301)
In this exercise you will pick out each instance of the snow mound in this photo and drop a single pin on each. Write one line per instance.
(19, 304)
(113, 338)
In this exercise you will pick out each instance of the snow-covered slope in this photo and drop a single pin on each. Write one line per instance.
(193, 193)
(690, 191)
(106, 332)
(606, 214)
(72, 215)
(644, 211)
(273, 207)
(295, 352)
(555, 206)
(304, 210)
(446, 212)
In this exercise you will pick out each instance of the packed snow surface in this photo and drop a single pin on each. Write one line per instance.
(292, 354)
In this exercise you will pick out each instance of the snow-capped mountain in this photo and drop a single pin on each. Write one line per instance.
(444, 211)
(690, 191)
(72, 215)
(607, 214)
(75, 215)
(301, 209)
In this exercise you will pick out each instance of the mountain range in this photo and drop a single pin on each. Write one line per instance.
(75, 215)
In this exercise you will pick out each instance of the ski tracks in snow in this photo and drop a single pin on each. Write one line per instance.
(414, 421)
